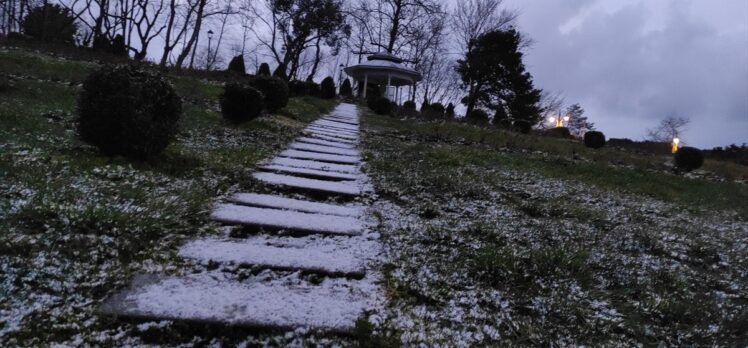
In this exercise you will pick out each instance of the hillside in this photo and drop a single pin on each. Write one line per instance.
(490, 237)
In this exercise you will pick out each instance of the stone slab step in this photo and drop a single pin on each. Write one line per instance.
(317, 165)
(336, 124)
(309, 173)
(286, 219)
(326, 259)
(346, 121)
(331, 129)
(323, 157)
(328, 187)
(324, 149)
(330, 134)
(278, 202)
(329, 138)
(333, 306)
(309, 140)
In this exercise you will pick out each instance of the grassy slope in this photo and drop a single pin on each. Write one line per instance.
(495, 237)
(75, 225)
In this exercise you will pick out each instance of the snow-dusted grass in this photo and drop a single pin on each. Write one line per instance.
(76, 225)
(501, 247)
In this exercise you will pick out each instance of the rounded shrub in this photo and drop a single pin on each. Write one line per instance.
(409, 105)
(557, 132)
(274, 90)
(450, 112)
(478, 116)
(436, 110)
(381, 105)
(236, 65)
(594, 139)
(280, 72)
(312, 88)
(127, 111)
(241, 102)
(345, 89)
(264, 69)
(689, 158)
(297, 88)
(327, 88)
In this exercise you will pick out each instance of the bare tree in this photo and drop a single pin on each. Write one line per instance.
(669, 128)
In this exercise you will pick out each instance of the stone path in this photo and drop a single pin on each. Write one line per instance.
(297, 237)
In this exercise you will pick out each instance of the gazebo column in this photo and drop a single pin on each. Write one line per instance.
(397, 95)
(387, 89)
(366, 84)
(413, 97)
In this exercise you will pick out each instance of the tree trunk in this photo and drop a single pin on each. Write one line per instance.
(317, 58)
(195, 32)
(395, 26)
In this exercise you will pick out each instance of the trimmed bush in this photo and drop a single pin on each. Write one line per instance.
(381, 105)
(50, 23)
(689, 158)
(297, 88)
(327, 88)
(450, 112)
(274, 90)
(436, 110)
(345, 89)
(240, 102)
(264, 69)
(127, 111)
(5, 83)
(312, 88)
(478, 117)
(280, 72)
(236, 65)
(425, 107)
(594, 139)
(557, 132)
(410, 105)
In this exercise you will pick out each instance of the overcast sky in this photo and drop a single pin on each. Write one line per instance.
(630, 63)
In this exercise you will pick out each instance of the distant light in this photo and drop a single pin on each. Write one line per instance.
(676, 141)
(675, 144)
(551, 119)
(566, 118)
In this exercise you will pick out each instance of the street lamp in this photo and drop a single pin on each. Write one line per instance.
(210, 38)
(559, 121)
(676, 141)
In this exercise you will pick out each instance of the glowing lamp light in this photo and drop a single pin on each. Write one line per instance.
(551, 119)
(566, 118)
(676, 141)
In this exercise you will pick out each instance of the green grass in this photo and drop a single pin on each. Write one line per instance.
(76, 224)
(580, 251)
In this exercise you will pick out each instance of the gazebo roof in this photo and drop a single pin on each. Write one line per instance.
(382, 67)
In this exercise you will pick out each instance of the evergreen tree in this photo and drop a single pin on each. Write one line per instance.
(578, 123)
(327, 88)
(280, 72)
(50, 23)
(345, 88)
(450, 111)
(236, 65)
(264, 69)
(496, 79)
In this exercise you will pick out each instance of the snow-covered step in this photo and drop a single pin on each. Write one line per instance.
(287, 219)
(328, 187)
(329, 138)
(278, 202)
(307, 164)
(309, 140)
(349, 122)
(324, 149)
(324, 157)
(310, 173)
(336, 124)
(332, 127)
(332, 130)
(334, 305)
(318, 258)
(331, 134)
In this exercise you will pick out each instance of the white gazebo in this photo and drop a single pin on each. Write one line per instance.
(384, 69)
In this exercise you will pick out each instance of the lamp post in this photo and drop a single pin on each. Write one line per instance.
(210, 38)
(559, 121)
(676, 141)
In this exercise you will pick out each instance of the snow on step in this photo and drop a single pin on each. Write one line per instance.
(331, 134)
(316, 165)
(314, 259)
(349, 122)
(324, 149)
(333, 187)
(313, 173)
(324, 142)
(286, 219)
(325, 157)
(329, 138)
(336, 124)
(334, 305)
(332, 130)
(272, 201)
